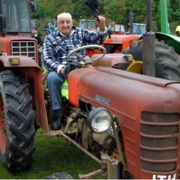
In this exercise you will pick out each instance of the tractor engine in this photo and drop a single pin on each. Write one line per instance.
(75, 123)
(105, 140)
(102, 142)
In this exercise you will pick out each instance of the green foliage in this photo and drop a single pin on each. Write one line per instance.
(82, 11)
(138, 7)
(114, 10)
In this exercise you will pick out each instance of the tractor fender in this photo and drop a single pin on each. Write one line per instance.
(171, 40)
(32, 71)
(133, 99)
(24, 61)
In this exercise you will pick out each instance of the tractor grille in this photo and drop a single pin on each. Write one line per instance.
(26, 48)
(159, 141)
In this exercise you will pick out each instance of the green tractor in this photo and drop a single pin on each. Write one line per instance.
(167, 49)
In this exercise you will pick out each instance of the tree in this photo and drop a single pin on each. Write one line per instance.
(138, 7)
(82, 11)
(115, 10)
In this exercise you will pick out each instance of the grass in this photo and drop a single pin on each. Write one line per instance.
(52, 155)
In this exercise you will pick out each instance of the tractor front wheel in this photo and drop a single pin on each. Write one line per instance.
(16, 122)
(167, 61)
(60, 175)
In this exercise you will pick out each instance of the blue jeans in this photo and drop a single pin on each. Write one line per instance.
(54, 82)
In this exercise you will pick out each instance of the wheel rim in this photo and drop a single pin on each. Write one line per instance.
(2, 128)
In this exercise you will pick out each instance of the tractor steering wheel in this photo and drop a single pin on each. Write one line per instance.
(73, 52)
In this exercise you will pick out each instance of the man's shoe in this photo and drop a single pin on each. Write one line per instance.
(56, 123)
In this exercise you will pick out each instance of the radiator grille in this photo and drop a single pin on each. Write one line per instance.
(157, 167)
(26, 48)
(159, 141)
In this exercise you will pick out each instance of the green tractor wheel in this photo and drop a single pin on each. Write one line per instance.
(16, 122)
(167, 64)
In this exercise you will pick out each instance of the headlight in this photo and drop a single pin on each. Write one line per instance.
(99, 120)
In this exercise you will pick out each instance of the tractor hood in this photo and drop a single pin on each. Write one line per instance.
(120, 39)
(119, 90)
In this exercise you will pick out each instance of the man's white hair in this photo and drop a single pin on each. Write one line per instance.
(64, 14)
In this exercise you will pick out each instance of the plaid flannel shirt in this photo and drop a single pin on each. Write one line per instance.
(57, 46)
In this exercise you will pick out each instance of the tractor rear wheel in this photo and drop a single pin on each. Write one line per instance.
(16, 122)
(167, 61)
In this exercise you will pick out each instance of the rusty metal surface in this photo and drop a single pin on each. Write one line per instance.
(127, 95)
(124, 40)
(112, 86)
(91, 174)
(24, 62)
(110, 60)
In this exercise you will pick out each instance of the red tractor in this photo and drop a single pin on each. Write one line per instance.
(131, 121)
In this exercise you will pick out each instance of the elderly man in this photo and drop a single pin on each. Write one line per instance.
(57, 46)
